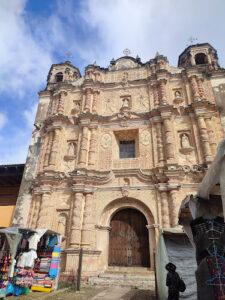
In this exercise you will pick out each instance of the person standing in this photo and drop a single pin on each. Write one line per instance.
(173, 282)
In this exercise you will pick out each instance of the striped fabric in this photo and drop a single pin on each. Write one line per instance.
(54, 267)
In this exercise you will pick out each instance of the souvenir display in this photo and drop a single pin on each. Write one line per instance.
(29, 259)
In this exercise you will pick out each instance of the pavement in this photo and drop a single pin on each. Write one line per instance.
(112, 293)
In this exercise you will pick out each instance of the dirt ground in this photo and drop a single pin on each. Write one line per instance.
(86, 293)
(68, 294)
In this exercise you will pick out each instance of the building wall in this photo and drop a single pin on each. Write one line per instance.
(80, 181)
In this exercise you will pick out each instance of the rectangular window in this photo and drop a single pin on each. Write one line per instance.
(127, 149)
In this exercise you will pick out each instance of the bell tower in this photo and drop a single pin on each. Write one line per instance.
(200, 54)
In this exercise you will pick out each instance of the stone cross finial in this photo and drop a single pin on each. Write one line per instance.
(126, 52)
(191, 40)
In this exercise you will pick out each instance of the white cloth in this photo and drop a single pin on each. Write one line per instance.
(33, 241)
(12, 267)
(29, 258)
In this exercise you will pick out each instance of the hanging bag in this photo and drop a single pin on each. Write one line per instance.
(181, 286)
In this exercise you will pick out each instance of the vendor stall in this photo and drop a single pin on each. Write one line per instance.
(29, 259)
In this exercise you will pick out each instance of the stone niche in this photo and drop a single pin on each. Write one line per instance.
(186, 145)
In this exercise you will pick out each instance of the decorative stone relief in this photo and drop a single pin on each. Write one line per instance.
(178, 97)
(109, 106)
(142, 102)
(62, 220)
(106, 140)
(145, 137)
(77, 106)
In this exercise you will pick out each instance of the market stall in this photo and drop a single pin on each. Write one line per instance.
(29, 259)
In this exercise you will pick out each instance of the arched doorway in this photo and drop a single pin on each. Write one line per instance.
(128, 239)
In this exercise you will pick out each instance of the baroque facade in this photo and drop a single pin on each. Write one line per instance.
(114, 152)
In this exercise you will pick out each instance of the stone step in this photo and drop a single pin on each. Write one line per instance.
(134, 280)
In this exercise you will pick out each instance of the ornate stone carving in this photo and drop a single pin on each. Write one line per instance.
(71, 150)
(106, 140)
(109, 106)
(62, 222)
(145, 137)
(75, 238)
(186, 147)
(165, 210)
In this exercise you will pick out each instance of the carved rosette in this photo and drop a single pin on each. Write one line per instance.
(87, 221)
(75, 237)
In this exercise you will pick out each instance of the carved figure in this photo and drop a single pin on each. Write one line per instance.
(125, 76)
(109, 106)
(185, 143)
(142, 102)
(71, 151)
(62, 224)
(177, 94)
(106, 140)
(126, 102)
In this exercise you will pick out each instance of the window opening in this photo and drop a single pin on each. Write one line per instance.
(59, 77)
(127, 149)
(201, 59)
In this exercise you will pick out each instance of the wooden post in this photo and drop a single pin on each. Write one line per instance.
(79, 269)
(156, 287)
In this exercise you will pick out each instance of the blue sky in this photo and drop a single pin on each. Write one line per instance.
(36, 33)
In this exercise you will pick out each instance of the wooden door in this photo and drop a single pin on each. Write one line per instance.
(128, 239)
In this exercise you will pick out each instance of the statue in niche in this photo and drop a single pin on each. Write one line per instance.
(185, 142)
(177, 94)
(126, 102)
(62, 224)
(75, 75)
(71, 151)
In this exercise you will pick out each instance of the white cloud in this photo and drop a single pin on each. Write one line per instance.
(3, 120)
(24, 63)
(30, 115)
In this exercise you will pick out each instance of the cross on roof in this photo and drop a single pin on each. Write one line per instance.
(192, 40)
(126, 52)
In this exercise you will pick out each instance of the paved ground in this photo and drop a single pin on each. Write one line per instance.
(89, 293)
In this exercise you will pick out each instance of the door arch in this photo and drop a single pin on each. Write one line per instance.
(128, 239)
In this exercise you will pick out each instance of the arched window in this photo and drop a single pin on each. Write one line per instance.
(201, 59)
(59, 77)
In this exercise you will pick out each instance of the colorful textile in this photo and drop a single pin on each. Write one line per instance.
(54, 267)
(52, 241)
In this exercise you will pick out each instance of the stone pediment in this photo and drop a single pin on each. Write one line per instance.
(125, 63)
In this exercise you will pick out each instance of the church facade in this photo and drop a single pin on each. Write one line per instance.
(114, 152)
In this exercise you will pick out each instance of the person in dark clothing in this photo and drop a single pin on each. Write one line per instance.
(172, 281)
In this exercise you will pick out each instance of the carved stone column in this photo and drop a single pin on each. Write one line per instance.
(92, 148)
(36, 207)
(75, 237)
(159, 142)
(165, 209)
(87, 227)
(95, 101)
(87, 105)
(204, 138)
(55, 103)
(155, 95)
(201, 88)
(163, 94)
(48, 148)
(211, 134)
(61, 100)
(45, 214)
(169, 139)
(194, 87)
(83, 147)
(175, 206)
(55, 146)
(152, 243)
